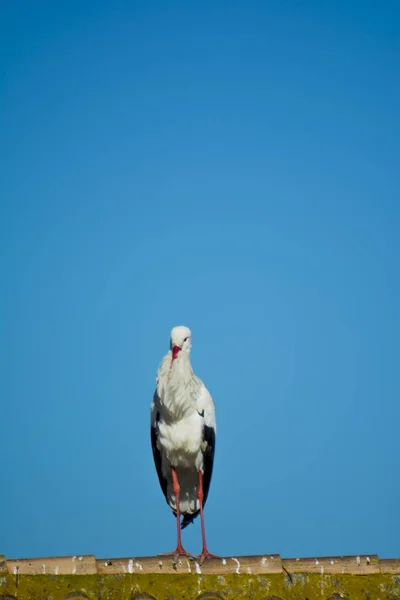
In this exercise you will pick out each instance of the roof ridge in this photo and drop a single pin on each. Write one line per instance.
(261, 564)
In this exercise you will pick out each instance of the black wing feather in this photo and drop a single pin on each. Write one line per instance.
(208, 458)
(157, 456)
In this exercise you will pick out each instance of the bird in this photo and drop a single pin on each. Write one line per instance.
(183, 432)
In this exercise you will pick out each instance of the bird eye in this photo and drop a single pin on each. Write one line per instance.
(185, 339)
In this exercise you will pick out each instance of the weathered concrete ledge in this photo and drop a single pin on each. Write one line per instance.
(266, 577)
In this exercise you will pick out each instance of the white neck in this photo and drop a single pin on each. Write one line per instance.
(177, 385)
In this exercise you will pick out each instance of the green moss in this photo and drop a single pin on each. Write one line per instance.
(202, 587)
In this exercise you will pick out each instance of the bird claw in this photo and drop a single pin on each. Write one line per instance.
(179, 552)
(202, 557)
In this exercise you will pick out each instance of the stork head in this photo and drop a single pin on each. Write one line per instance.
(181, 340)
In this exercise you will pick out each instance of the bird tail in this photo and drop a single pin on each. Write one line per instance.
(187, 519)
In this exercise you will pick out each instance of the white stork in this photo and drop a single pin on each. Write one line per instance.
(183, 436)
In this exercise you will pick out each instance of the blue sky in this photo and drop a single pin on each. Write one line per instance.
(233, 167)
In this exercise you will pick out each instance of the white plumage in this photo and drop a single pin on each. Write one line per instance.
(183, 432)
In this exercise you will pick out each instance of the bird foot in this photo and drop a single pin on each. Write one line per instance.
(206, 554)
(180, 551)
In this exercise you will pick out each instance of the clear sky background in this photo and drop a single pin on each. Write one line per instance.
(230, 166)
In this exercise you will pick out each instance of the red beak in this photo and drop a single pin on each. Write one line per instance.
(175, 352)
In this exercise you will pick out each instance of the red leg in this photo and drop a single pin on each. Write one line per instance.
(200, 494)
(180, 551)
